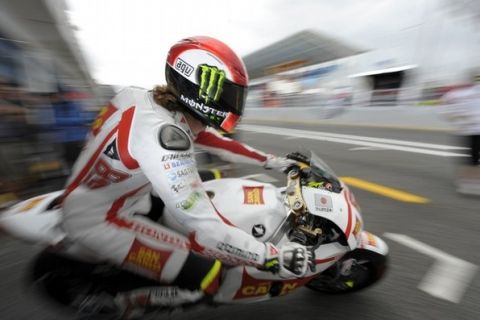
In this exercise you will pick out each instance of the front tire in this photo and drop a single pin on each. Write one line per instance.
(355, 271)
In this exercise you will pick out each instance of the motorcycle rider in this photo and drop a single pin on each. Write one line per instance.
(142, 143)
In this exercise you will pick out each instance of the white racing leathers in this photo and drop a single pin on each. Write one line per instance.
(137, 147)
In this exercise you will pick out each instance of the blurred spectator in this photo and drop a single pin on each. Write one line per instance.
(13, 131)
(41, 135)
(464, 110)
(71, 124)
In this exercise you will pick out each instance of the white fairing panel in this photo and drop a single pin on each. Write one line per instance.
(252, 206)
(336, 207)
(373, 243)
(30, 221)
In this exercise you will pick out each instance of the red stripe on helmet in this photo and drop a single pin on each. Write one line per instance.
(219, 49)
(230, 122)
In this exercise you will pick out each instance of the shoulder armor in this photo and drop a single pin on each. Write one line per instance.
(173, 138)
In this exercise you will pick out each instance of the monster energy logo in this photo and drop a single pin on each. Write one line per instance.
(203, 108)
(211, 83)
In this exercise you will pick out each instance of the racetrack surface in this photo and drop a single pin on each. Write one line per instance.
(449, 222)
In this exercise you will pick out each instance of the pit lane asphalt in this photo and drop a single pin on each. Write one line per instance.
(449, 222)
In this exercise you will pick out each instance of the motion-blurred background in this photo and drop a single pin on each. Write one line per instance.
(372, 69)
(61, 60)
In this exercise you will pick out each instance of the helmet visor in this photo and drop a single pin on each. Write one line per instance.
(217, 105)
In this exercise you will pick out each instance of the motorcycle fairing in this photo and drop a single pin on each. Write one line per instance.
(249, 205)
(30, 220)
(247, 284)
(336, 207)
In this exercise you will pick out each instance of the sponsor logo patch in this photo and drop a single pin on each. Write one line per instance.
(158, 234)
(211, 83)
(178, 187)
(185, 172)
(258, 230)
(237, 251)
(358, 227)
(252, 287)
(176, 156)
(146, 258)
(111, 150)
(371, 239)
(323, 203)
(190, 201)
(253, 195)
(31, 204)
(183, 67)
(172, 176)
(178, 164)
(202, 107)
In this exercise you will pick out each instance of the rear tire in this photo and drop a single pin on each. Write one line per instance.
(59, 277)
(367, 267)
(69, 283)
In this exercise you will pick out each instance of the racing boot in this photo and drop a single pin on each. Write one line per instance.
(133, 304)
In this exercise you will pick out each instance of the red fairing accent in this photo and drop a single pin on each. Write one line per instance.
(194, 245)
(220, 49)
(349, 224)
(225, 220)
(211, 140)
(88, 166)
(230, 122)
(123, 136)
(320, 261)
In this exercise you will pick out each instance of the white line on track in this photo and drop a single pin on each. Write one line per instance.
(390, 144)
(448, 278)
(364, 148)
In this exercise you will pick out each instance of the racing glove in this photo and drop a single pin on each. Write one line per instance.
(292, 260)
(278, 163)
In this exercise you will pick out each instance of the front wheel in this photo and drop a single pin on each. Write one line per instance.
(356, 270)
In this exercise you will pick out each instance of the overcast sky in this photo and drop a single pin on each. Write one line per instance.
(126, 41)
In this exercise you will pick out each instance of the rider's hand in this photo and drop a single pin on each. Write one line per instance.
(278, 163)
(298, 157)
(292, 260)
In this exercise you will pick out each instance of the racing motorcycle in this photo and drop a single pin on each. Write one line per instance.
(315, 209)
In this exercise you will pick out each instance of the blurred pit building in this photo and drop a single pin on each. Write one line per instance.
(416, 66)
(47, 97)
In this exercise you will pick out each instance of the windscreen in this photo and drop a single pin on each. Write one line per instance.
(322, 172)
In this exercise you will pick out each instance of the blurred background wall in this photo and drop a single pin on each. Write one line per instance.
(47, 97)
